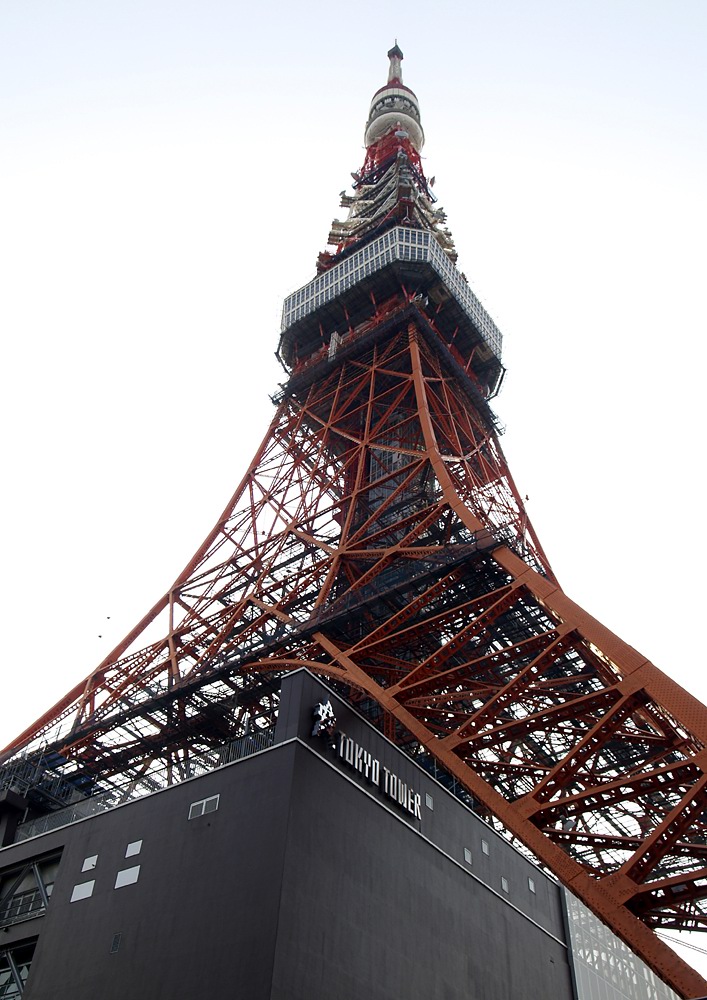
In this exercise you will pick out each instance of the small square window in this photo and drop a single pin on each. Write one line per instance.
(531, 884)
(203, 806)
(504, 884)
(467, 855)
(485, 847)
(128, 876)
(89, 863)
(429, 801)
(134, 848)
(82, 891)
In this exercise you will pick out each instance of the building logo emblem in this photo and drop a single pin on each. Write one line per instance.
(361, 760)
(324, 719)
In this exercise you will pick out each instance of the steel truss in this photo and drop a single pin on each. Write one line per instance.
(378, 539)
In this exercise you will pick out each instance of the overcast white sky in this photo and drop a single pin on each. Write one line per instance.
(168, 173)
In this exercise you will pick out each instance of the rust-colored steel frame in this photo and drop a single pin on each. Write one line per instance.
(378, 539)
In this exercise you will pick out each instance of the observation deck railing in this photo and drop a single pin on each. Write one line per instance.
(399, 243)
(158, 780)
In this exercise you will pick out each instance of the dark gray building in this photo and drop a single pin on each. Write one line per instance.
(320, 863)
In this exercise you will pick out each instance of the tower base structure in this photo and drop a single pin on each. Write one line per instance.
(318, 862)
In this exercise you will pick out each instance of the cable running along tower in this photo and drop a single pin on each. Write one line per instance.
(378, 539)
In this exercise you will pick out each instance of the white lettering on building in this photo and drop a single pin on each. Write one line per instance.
(393, 787)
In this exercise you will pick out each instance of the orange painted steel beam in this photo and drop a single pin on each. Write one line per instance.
(378, 539)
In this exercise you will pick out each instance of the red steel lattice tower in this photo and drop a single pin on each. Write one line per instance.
(378, 539)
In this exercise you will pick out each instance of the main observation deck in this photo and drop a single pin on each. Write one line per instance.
(400, 256)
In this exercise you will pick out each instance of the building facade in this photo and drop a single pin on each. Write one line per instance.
(319, 864)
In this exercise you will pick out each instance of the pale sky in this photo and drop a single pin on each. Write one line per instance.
(169, 172)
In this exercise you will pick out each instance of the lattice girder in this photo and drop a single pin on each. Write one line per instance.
(377, 538)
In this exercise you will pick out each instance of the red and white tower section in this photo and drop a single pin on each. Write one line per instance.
(378, 539)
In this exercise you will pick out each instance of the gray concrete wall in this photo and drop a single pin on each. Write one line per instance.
(307, 883)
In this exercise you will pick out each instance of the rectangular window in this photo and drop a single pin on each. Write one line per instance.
(203, 806)
(82, 891)
(531, 884)
(128, 876)
(15, 963)
(25, 891)
(485, 847)
(504, 884)
(429, 801)
(134, 848)
(467, 855)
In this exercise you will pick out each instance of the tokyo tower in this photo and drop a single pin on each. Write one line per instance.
(378, 539)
